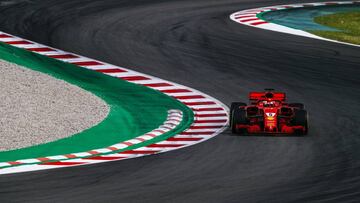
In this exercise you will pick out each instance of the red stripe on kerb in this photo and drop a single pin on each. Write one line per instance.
(250, 12)
(5, 36)
(205, 127)
(59, 163)
(43, 159)
(151, 135)
(111, 70)
(166, 127)
(63, 56)
(104, 158)
(164, 145)
(70, 156)
(138, 152)
(140, 139)
(127, 143)
(197, 133)
(210, 121)
(184, 139)
(178, 120)
(198, 103)
(19, 42)
(208, 109)
(247, 20)
(160, 131)
(134, 78)
(190, 97)
(175, 116)
(244, 16)
(40, 49)
(14, 163)
(93, 152)
(112, 148)
(87, 63)
(157, 85)
(175, 91)
(210, 115)
(259, 23)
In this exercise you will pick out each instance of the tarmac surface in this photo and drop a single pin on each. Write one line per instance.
(196, 44)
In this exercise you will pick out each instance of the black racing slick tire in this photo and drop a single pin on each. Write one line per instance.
(301, 118)
(238, 117)
(234, 105)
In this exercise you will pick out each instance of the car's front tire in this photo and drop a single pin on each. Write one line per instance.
(238, 117)
(234, 105)
(301, 119)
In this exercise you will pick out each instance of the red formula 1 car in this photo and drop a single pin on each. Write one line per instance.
(268, 113)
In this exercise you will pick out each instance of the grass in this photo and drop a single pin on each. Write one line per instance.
(348, 24)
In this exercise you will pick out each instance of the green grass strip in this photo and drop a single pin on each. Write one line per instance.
(134, 109)
(347, 22)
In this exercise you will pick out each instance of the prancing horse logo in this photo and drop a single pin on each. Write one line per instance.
(270, 114)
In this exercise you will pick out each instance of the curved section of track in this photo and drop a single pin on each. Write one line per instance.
(201, 118)
(258, 17)
(195, 43)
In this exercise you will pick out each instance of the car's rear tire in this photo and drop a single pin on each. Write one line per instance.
(234, 105)
(238, 117)
(301, 119)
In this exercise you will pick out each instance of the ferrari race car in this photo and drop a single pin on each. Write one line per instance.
(268, 113)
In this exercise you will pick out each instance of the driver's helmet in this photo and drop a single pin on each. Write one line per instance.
(266, 103)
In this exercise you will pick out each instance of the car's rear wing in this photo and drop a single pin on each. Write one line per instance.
(256, 96)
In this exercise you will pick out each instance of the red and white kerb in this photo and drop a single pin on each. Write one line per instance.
(210, 115)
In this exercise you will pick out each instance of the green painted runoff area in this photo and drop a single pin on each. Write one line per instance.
(134, 109)
(303, 18)
(347, 24)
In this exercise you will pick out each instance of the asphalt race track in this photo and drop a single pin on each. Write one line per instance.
(196, 44)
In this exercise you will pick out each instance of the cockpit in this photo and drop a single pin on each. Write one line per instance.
(266, 103)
